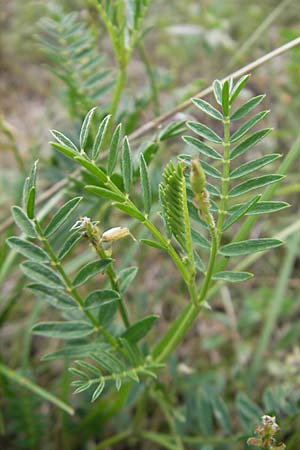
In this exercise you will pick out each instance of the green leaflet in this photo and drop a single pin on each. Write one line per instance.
(221, 414)
(126, 165)
(173, 129)
(232, 277)
(154, 244)
(84, 132)
(105, 193)
(23, 222)
(248, 247)
(138, 330)
(199, 240)
(225, 98)
(251, 166)
(217, 90)
(100, 136)
(247, 107)
(91, 167)
(42, 274)
(248, 143)
(145, 183)
(248, 125)
(174, 205)
(238, 87)
(90, 270)
(61, 216)
(203, 148)
(133, 212)
(240, 212)
(126, 276)
(205, 132)
(27, 249)
(98, 298)
(254, 183)
(64, 141)
(207, 108)
(113, 150)
(75, 350)
(68, 245)
(98, 391)
(56, 297)
(64, 150)
(63, 330)
(107, 313)
(29, 192)
(267, 207)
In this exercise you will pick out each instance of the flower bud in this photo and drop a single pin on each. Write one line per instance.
(116, 233)
(197, 177)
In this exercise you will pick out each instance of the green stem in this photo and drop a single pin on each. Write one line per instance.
(225, 176)
(70, 288)
(117, 93)
(106, 443)
(114, 283)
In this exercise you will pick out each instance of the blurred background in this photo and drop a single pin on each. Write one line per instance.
(243, 358)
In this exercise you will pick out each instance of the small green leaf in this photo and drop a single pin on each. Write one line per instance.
(64, 140)
(126, 276)
(146, 187)
(254, 183)
(267, 207)
(61, 216)
(154, 244)
(247, 107)
(90, 270)
(84, 132)
(202, 148)
(240, 212)
(98, 298)
(100, 138)
(30, 203)
(233, 277)
(126, 165)
(76, 350)
(133, 212)
(107, 313)
(63, 330)
(68, 245)
(27, 249)
(225, 98)
(256, 164)
(98, 391)
(210, 170)
(91, 167)
(217, 89)
(199, 240)
(222, 414)
(23, 222)
(64, 150)
(204, 131)
(248, 143)
(207, 108)
(248, 247)
(105, 193)
(252, 140)
(138, 330)
(238, 87)
(56, 297)
(171, 130)
(248, 125)
(43, 274)
(113, 150)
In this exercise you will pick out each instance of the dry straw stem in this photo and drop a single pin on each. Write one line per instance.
(156, 123)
